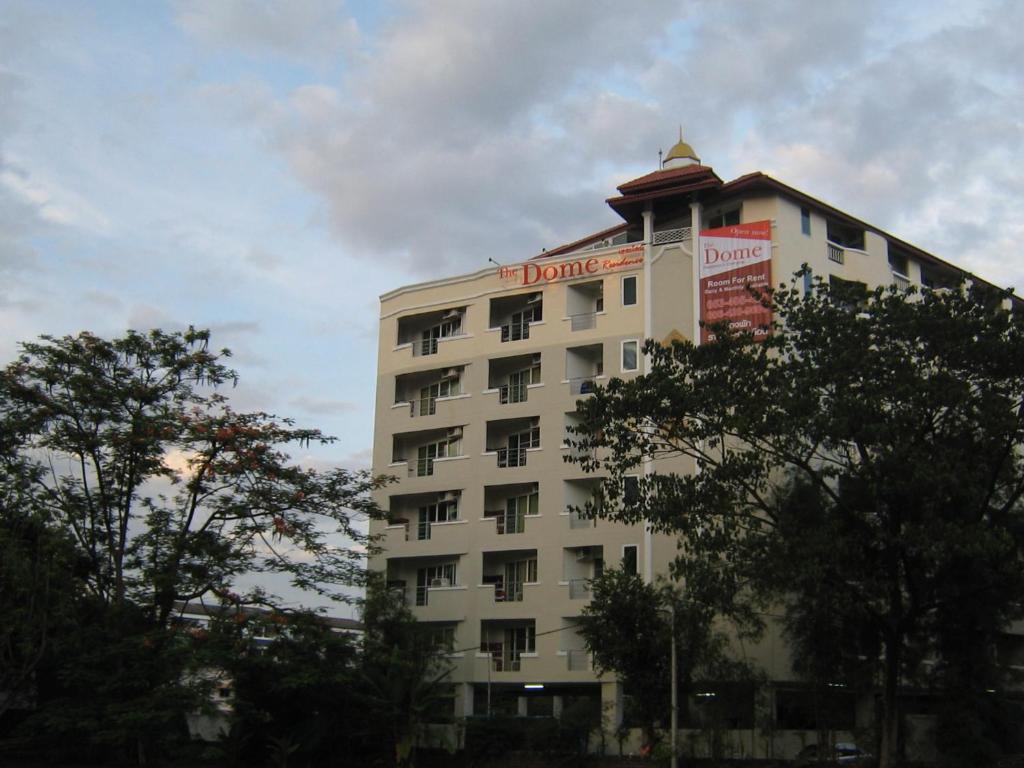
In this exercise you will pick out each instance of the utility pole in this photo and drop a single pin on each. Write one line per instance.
(675, 692)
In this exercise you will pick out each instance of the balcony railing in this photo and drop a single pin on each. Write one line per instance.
(583, 322)
(425, 347)
(512, 393)
(582, 385)
(421, 468)
(579, 589)
(515, 331)
(511, 457)
(578, 521)
(502, 660)
(423, 407)
(509, 593)
(672, 235)
(836, 253)
(901, 281)
(577, 661)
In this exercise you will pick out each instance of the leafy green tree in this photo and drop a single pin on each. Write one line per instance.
(170, 492)
(403, 672)
(904, 413)
(37, 590)
(627, 627)
(127, 448)
(294, 693)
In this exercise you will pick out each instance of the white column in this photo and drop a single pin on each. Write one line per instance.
(648, 565)
(696, 211)
(465, 691)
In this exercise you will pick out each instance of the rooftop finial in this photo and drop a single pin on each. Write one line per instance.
(681, 154)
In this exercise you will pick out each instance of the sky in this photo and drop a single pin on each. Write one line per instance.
(267, 169)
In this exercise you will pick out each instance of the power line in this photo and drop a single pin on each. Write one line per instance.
(536, 635)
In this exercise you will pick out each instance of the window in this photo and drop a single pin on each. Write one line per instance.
(442, 575)
(850, 294)
(516, 508)
(631, 489)
(442, 512)
(629, 291)
(629, 355)
(427, 402)
(443, 637)
(899, 263)
(805, 221)
(723, 218)
(425, 454)
(808, 281)
(629, 559)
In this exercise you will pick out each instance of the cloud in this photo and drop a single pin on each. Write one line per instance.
(53, 203)
(298, 29)
(322, 406)
(479, 130)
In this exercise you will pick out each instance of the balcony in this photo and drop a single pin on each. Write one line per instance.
(510, 440)
(582, 385)
(578, 660)
(423, 449)
(508, 643)
(513, 376)
(579, 589)
(508, 572)
(423, 331)
(584, 302)
(676, 235)
(513, 315)
(836, 253)
(578, 522)
(511, 457)
(424, 390)
(583, 366)
(509, 506)
(580, 566)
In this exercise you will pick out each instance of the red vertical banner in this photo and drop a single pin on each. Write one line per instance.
(732, 261)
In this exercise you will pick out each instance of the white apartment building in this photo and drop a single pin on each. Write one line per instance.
(478, 379)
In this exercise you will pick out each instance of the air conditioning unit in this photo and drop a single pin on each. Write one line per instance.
(445, 496)
(583, 553)
(452, 314)
(454, 432)
(451, 373)
(444, 581)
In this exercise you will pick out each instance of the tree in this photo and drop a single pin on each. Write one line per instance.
(169, 492)
(903, 413)
(627, 627)
(294, 694)
(403, 670)
(126, 447)
(37, 588)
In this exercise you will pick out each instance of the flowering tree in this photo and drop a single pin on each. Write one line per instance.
(169, 492)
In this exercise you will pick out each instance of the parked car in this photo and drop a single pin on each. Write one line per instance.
(846, 753)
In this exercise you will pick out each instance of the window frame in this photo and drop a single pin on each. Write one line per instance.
(622, 355)
(636, 558)
(622, 290)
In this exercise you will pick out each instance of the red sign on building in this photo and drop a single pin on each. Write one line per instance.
(733, 260)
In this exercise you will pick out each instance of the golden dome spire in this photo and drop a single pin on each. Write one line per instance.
(681, 154)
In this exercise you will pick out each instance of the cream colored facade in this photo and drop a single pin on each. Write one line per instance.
(478, 377)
